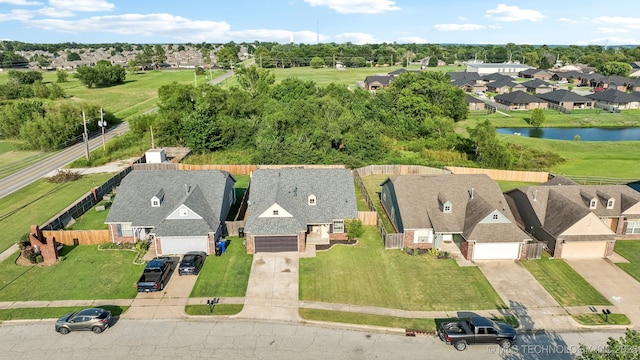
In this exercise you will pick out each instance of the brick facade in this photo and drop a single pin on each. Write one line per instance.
(47, 248)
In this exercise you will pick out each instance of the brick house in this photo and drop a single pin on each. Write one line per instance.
(520, 100)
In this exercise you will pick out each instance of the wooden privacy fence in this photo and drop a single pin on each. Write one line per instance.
(509, 175)
(368, 217)
(534, 250)
(232, 169)
(78, 237)
(399, 170)
(233, 227)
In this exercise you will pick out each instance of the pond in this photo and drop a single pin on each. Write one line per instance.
(586, 134)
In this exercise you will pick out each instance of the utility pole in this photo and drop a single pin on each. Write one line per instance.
(102, 124)
(153, 145)
(85, 136)
(195, 78)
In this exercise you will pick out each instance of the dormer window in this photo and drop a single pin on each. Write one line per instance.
(155, 202)
(184, 212)
(610, 203)
(495, 216)
(157, 199)
(446, 207)
(311, 200)
(275, 212)
(593, 203)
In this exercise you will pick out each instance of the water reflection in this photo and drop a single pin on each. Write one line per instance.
(584, 134)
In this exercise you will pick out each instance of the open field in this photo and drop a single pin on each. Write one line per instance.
(367, 274)
(577, 118)
(13, 160)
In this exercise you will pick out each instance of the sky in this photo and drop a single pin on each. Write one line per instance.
(539, 22)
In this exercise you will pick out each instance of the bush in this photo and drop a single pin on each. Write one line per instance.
(64, 175)
(39, 259)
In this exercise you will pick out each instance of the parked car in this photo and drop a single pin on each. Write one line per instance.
(192, 262)
(156, 274)
(476, 330)
(94, 319)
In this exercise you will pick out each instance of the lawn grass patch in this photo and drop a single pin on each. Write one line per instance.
(38, 202)
(366, 274)
(226, 275)
(564, 284)
(92, 219)
(85, 274)
(599, 319)
(630, 250)
(240, 188)
(220, 309)
(372, 184)
(51, 312)
(510, 185)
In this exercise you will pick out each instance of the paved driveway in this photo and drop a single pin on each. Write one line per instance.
(533, 305)
(616, 285)
(272, 292)
(166, 304)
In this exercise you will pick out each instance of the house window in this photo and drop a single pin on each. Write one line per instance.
(610, 203)
(495, 216)
(338, 226)
(592, 204)
(447, 209)
(275, 212)
(633, 227)
(155, 202)
(311, 200)
(384, 196)
(184, 212)
(125, 230)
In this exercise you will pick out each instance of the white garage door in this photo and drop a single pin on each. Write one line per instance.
(583, 249)
(181, 245)
(496, 251)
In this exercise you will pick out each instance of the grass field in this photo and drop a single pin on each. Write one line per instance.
(38, 202)
(51, 312)
(366, 274)
(630, 250)
(566, 286)
(85, 274)
(13, 160)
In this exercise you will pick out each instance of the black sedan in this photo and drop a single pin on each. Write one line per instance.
(94, 319)
(192, 262)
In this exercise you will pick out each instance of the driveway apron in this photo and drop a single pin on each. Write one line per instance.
(613, 283)
(272, 292)
(529, 301)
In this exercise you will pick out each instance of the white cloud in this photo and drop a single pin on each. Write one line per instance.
(513, 13)
(82, 5)
(412, 40)
(610, 41)
(20, 2)
(617, 20)
(281, 36)
(356, 38)
(570, 21)
(458, 27)
(611, 30)
(356, 6)
(17, 15)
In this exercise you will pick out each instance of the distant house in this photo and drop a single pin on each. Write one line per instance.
(179, 210)
(474, 103)
(290, 209)
(567, 99)
(376, 82)
(520, 100)
(501, 86)
(535, 74)
(616, 98)
(502, 68)
(571, 77)
(537, 86)
(467, 210)
(577, 221)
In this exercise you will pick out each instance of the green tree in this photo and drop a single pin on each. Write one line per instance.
(433, 61)
(537, 117)
(615, 68)
(624, 348)
(354, 228)
(159, 56)
(227, 57)
(254, 80)
(73, 56)
(23, 77)
(488, 149)
(145, 57)
(317, 62)
(61, 76)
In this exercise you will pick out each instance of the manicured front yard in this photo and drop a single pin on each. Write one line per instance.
(566, 286)
(630, 250)
(51, 312)
(226, 275)
(367, 274)
(85, 274)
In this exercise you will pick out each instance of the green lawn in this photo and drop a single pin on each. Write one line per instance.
(369, 275)
(240, 187)
(13, 160)
(92, 219)
(51, 312)
(220, 309)
(372, 184)
(630, 250)
(600, 319)
(39, 202)
(578, 118)
(566, 286)
(510, 185)
(84, 274)
(226, 275)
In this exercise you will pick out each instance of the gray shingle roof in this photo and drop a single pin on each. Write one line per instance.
(470, 99)
(535, 84)
(501, 83)
(290, 189)
(613, 96)
(420, 200)
(518, 97)
(563, 95)
(201, 191)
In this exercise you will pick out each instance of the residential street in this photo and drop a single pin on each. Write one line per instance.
(246, 339)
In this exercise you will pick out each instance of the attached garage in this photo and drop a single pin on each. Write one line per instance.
(583, 249)
(181, 245)
(496, 251)
(275, 243)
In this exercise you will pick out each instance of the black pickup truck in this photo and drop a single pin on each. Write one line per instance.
(155, 274)
(476, 330)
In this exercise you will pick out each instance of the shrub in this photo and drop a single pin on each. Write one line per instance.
(64, 175)
(39, 259)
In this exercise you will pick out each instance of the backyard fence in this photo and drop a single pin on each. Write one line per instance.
(232, 169)
(557, 107)
(368, 217)
(509, 175)
(233, 227)
(78, 237)
(534, 250)
(399, 170)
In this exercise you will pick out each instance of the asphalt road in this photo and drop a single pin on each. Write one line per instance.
(244, 339)
(56, 161)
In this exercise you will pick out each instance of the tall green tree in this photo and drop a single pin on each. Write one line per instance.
(537, 118)
(624, 348)
(488, 149)
(254, 80)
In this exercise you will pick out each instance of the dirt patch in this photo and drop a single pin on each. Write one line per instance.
(286, 270)
(260, 262)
